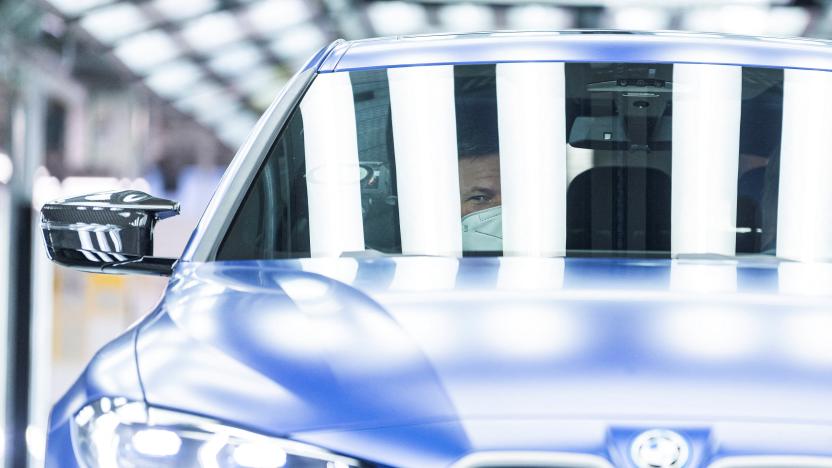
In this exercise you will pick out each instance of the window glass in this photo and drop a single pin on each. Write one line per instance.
(536, 159)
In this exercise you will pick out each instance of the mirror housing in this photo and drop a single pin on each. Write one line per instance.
(107, 232)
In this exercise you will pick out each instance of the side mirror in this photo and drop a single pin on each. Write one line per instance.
(108, 232)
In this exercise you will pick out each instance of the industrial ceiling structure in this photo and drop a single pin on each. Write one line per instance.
(223, 61)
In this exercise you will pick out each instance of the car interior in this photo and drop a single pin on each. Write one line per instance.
(618, 116)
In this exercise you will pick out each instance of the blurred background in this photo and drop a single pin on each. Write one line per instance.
(158, 94)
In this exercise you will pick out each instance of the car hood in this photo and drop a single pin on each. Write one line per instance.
(335, 344)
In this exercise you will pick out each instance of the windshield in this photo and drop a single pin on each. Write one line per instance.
(547, 159)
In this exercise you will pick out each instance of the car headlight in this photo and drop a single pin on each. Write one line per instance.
(112, 432)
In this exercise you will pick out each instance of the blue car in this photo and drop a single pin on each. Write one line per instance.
(580, 249)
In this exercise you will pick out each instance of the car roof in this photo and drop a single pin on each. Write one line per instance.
(580, 46)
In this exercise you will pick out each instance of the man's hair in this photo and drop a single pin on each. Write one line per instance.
(476, 117)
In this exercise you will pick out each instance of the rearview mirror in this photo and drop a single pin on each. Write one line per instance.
(108, 232)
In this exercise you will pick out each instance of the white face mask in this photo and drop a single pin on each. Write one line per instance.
(482, 231)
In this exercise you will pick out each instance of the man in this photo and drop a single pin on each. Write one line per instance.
(479, 186)
(479, 161)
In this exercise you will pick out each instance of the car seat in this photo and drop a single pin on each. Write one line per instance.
(619, 208)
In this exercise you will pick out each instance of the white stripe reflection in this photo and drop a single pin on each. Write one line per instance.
(703, 278)
(424, 274)
(101, 237)
(811, 279)
(104, 257)
(116, 238)
(531, 118)
(86, 241)
(89, 256)
(332, 172)
(707, 100)
(344, 270)
(424, 136)
(530, 273)
(805, 194)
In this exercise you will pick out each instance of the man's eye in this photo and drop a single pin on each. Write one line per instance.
(478, 198)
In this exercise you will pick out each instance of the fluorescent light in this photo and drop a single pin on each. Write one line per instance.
(254, 80)
(230, 140)
(332, 174)
(706, 135)
(211, 31)
(219, 115)
(689, 35)
(234, 130)
(183, 9)
(171, 79)
(805, 194)
(213, 109)
(76, 7)
(532, 130)
(203, 91)
(424, 136)
(262, 85)
(46, 188)
(744, 19)
(538, 17)
(790, 21)
(701, 19)
(263, 98)
(236, 59)
(6, 168)
(467, 17)
(112, 22)
(396, 17)
(736, 19)
(639, 18)
(146, 50)
(270, 15)
(36, 440)
(300, 41)
(296, 63)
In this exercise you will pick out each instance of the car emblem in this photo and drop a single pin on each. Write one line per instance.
(659, 448)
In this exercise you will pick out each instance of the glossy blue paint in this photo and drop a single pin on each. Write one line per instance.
(585, 46)
(419, 361)
(112, 372)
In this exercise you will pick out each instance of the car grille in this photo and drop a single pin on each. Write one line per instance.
(531, 459)
(773, 462)
(572, 460)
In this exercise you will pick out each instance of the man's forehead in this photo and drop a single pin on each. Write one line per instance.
(482, 171)
(485, 159)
